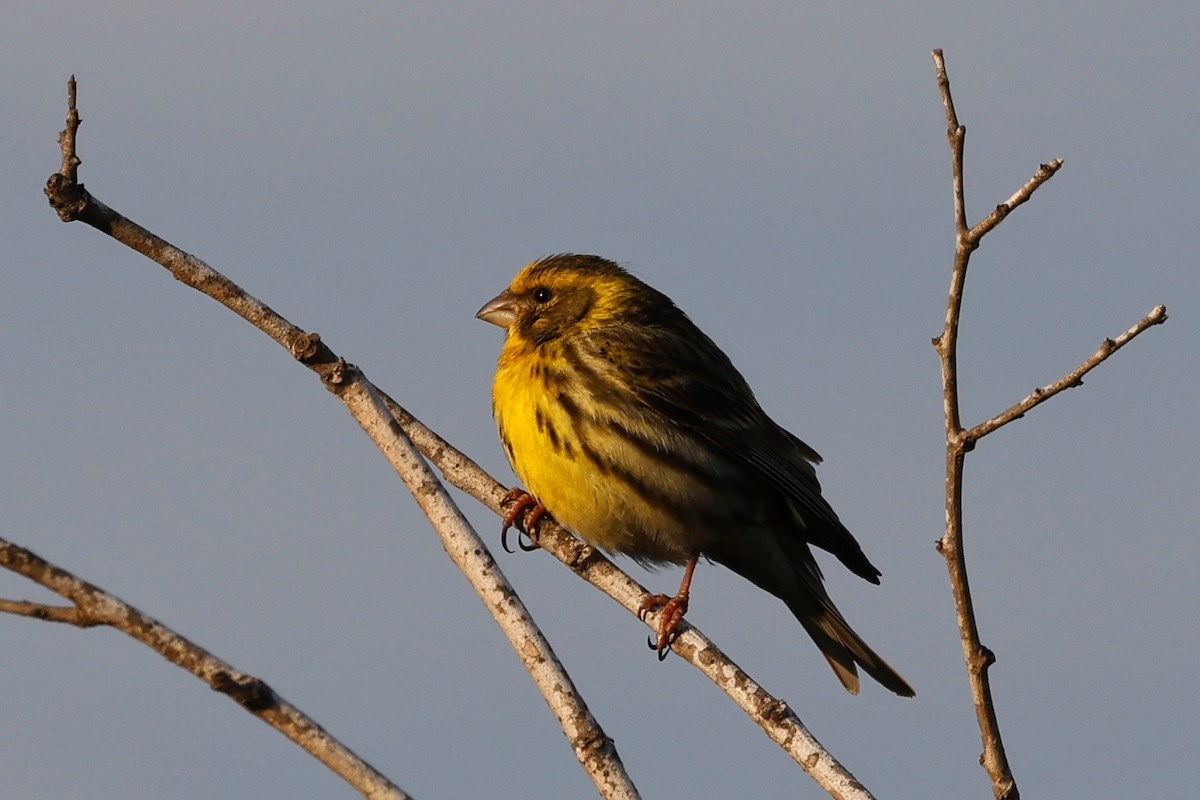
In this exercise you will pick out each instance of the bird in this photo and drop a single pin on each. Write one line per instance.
(631, 428)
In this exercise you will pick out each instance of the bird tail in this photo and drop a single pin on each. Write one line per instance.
(844, 649)
(784, 566)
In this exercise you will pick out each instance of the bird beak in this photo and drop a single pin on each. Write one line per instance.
(499, 310)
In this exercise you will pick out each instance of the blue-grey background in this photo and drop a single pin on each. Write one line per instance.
(780, 169)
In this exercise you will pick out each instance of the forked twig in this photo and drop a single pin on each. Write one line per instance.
(91, 606)
(960, 441)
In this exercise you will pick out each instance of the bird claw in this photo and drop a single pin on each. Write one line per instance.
(525, 514)
(671, 611)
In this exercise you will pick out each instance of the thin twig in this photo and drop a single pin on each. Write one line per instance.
(93, 606)
(68, 615)
(1044, 173)
(66, 137)
(1157, 316)
(959, 441)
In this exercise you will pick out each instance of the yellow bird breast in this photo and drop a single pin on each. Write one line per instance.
(564, 446)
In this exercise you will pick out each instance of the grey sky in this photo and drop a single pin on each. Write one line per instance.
(375, 174)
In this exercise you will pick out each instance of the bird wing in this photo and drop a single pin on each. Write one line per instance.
(680, 375)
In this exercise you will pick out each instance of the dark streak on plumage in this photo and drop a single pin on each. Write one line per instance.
(552, 435)
(508, 448)
(570, 408)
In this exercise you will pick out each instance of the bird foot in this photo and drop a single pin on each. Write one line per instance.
(672, 610)
(525, 514)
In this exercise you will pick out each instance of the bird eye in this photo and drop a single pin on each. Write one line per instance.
(541, 294)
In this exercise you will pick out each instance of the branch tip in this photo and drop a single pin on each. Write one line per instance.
(1041, 394)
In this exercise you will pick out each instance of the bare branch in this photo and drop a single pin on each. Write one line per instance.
(92, 606)
(956, 134)
(977, 657)
(1044, 173)
(593, 748)
(66, 137)
(959, 442)
(1157, 316)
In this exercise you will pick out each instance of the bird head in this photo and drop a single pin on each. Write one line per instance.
(560, 295)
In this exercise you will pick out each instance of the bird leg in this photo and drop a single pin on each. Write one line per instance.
(525, 514)
(672, 608)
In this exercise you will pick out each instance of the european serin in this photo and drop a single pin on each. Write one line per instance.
(636, 432)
